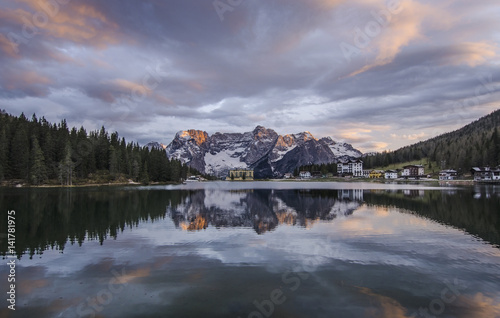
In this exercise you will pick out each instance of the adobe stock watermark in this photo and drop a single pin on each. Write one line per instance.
(485, 87)
(11, 256)
(150, 81)
(292, 279)
(125, 105)
(364, 36)
(223, 6)
(461, 109)
(39, 20)
(93, 305)
(437, 306)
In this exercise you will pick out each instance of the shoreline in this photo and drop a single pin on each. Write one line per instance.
(332, 180)
(84, 185)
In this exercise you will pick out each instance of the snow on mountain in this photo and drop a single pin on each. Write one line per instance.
(287, 143)
(263, 150)
(340, 149)
(154, 144)
(189, 146)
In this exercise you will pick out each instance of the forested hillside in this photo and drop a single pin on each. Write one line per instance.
(37, 152)
(477, 144)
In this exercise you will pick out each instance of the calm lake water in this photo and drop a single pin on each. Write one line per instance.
(255, 249)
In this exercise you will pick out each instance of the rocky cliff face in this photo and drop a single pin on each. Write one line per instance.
(269, 154)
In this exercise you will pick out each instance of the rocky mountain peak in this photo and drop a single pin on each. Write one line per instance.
(305, 136)
(156, 145)
(197, 136)
(263, 150)
(261, 132)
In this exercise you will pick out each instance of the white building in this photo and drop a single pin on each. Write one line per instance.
(305, 175)
(448, 175)
(351, 167)
(486, 174)
(413, 171)
(391, 174)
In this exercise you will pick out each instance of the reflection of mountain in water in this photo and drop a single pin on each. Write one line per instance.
(50, 218)
(261, 209)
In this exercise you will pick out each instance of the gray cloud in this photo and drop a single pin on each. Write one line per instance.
(148, 69)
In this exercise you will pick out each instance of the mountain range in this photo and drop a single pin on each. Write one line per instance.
(263, 150)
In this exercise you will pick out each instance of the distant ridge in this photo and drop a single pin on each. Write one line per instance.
(476, 144)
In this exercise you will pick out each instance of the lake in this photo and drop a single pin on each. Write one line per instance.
(254, 249)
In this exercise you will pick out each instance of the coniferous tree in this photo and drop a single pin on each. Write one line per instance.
(56, 152)
(144, 174)
(136, 169)
(19, 153)
(494, 151)
(66, 167)
(4, 147)
(38, 172)
(113, 161)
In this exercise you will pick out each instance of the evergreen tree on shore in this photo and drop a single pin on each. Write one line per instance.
(38, 173)
(58, 155)
(476, 144)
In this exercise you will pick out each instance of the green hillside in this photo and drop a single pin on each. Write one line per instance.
(430, 167)
(477, 144)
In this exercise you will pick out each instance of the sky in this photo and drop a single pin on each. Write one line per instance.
(377, 74)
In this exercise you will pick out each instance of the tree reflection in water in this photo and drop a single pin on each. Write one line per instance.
(50, 218)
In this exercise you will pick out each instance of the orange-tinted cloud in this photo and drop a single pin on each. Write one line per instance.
(7, 47)
(128, 86)
(404, 27)
(410, 136)
(472, 53)
(22, 79)
(77, 21)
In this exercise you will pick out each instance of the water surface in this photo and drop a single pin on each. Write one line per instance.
(256, 249)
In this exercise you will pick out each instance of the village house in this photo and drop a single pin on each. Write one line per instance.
(305, 175)
(391, 174)
(448, 174)
(316, 174)
(351, 167)
(288, 176)
(240, 174)
(413, 172)
(375, 174)
(486, 174)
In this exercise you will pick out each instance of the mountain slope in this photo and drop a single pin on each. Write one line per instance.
(263, 150)
(477, 144)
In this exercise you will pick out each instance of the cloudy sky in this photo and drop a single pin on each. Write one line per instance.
(378, 74)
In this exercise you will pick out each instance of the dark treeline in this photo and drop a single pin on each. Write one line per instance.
(321, 168)
(48, 218)
(477, 144)
(475, 211)
(51, 218)
(38, 152)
